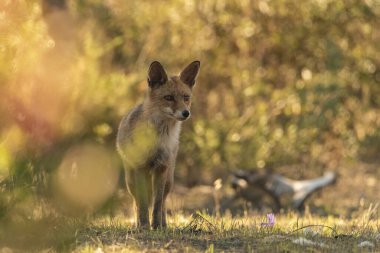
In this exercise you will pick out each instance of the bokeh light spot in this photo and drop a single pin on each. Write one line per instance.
(86, 177)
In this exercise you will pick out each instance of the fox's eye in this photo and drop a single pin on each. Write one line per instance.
(186, 98)
(169, 98)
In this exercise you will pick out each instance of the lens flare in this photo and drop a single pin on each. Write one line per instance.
(136, 151)
(86, 177)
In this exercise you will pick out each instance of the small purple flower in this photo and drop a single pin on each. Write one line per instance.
(270, 221)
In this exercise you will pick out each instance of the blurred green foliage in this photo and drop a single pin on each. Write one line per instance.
(281, 82)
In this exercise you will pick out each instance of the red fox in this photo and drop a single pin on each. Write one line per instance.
(147, 140)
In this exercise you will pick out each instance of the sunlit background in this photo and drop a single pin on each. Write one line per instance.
(285, 86)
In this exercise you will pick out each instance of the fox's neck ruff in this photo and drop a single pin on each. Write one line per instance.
(164, 124)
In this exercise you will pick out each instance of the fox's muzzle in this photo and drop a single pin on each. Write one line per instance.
(186, 113)
(182, 115)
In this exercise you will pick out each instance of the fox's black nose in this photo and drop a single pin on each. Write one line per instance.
(185, 113)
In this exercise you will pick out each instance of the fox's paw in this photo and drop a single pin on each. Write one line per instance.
(158, 226)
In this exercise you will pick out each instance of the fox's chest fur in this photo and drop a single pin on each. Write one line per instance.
(162, 145)
(168, 137)
(167, 142)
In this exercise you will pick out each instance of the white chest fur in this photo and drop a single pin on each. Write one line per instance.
(168, 138)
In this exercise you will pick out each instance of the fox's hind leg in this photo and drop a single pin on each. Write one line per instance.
(140, 186)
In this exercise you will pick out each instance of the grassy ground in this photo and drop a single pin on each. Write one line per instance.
(352, 225)
(202, 233)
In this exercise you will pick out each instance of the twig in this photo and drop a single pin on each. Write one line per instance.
(198, 219)
(200, 215)
(313, 225)
(168, 244)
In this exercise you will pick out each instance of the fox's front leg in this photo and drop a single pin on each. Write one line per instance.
(139, 185)
(158, 164)
(159, 181)
(168, 187)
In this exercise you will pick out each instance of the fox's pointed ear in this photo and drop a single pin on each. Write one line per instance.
(156, 74)
(190, 73)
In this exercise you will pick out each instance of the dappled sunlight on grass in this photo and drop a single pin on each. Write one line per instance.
(196, 232)
(232, 234)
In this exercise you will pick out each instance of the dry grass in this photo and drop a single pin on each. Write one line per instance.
(349, 228)
(200, 233)
(203, 233)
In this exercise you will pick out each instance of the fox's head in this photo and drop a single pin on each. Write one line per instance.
(171, 96)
